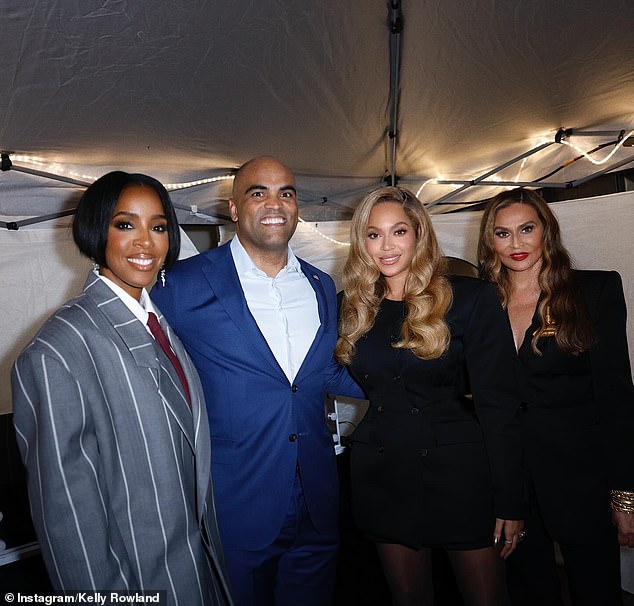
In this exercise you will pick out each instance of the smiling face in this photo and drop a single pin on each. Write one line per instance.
(518, 237)
(264, 207)
(137, 240)
(391, 242)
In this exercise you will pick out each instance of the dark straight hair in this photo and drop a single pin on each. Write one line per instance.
(95, 208)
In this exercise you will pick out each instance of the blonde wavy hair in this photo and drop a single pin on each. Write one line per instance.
(427, 292)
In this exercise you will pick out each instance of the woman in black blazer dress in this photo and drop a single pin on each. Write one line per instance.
(577, 404)
(430, 467)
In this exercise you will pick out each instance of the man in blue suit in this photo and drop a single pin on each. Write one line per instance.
(261, 326)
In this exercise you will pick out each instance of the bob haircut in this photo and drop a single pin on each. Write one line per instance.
(95, 208)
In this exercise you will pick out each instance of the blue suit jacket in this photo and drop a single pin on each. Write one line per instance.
(261, 425)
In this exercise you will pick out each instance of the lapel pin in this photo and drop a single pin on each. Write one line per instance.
(316, 276)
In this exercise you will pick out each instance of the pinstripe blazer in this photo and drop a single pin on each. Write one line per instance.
(118, 465)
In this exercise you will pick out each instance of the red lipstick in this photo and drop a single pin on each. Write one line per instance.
(519, 256)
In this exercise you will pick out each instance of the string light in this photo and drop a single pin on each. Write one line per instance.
(173, 186)
(420, 189)
(541, 141)
(520, 169)
(57, 169)
(604, 160)
(517, 176)
(324, 236)
(28, 159)
(53, 168)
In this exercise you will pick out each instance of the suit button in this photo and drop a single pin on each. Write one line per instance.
(396, 378)
(292, 437)
(415, 410)
(379, 408)
(294, 388)
(523, 405)
(381, 449)
(423, 453)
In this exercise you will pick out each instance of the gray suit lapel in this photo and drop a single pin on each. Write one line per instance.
(146, 353)
(197, 417)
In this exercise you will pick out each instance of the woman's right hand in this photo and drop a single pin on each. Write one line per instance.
(508, 534)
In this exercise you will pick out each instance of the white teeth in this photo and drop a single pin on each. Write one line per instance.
(389, 259)
(273, 221)
(144, 262)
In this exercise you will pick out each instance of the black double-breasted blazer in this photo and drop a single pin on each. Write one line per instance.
(578, 416)
(429, 465)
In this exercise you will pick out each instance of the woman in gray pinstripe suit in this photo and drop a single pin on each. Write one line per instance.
(113, 430)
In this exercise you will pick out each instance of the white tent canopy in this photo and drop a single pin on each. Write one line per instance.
(189, 90)
(349, 94)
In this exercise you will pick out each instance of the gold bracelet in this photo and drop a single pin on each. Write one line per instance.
(622, 495)
(623, 501)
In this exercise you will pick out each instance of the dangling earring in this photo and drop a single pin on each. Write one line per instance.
(162, 274)
(95, 266)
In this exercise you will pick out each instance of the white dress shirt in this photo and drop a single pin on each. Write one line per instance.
(284, 307)
(139, 308)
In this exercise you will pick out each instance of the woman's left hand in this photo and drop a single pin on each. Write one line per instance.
(508, 534)
(624, 523)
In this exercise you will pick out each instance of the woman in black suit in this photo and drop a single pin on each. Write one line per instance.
(430, 467)
(577, 404)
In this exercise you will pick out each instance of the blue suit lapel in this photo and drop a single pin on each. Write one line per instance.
(324, 317)
(223, 279)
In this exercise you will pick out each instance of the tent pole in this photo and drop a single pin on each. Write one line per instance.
(481, 178)
(563, 133)
(563, 185)
(560, 185)
(40, 173)
(15, 225)
(395, 18)
(194, 212)
(602, 172)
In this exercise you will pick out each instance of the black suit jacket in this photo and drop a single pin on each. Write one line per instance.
(430, 467)
(578, 416)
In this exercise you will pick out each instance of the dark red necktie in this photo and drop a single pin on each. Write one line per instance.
(161, 338)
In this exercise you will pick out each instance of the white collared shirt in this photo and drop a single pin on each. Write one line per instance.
(284, 307)
(139, 308)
